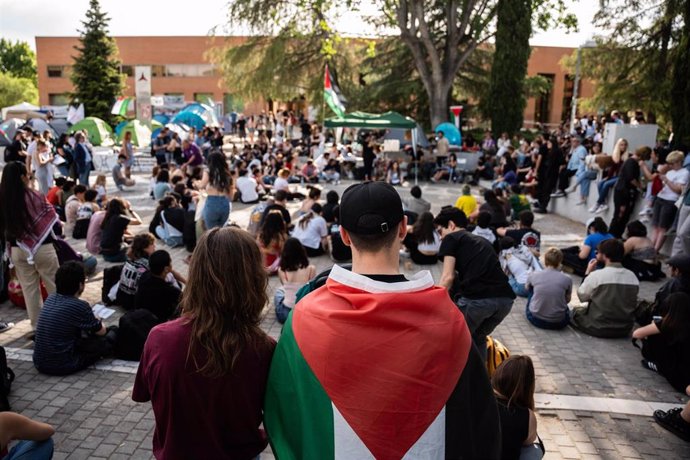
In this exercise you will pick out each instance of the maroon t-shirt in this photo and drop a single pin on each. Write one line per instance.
(197, 416)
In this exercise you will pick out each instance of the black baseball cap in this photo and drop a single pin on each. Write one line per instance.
(370, 208)
(681, 262)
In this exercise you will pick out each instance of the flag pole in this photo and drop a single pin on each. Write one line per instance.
(323, 105)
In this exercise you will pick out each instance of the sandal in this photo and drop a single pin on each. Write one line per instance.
(673, 422)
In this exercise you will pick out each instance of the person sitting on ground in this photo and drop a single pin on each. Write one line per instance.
(247, 188)
(60, 347)
(314, 197)
(494, 206)
(119, 177)
(518, 201)
(447, 170)
(99, 186)
(114, 230)
(34, 438)
(473, 276)
(355, 326)
(679, 282)
(168, 220)
(280, 199)
(466, 202)
(666, 342)
(192, 156)
(53, 196)
(84, 214)
(310, 173)
(640, 255)
(72, 206)
(340, 252)
(524, 234)
(550, 292)
(162, 185)
(415, 205)
(514, 383)
(271, 239)
(393, 174)
(212, 363)
(294, 273)
(332, 199)
(578, 258)
(154, 292)
(611, 293)
(143, 245)
(423, 241)
(676, 420)
(331, 171)
(517, 262)
(311, 230)
(482, 228)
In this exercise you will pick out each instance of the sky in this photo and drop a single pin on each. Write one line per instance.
(26, 19)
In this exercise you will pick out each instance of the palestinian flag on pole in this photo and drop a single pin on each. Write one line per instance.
(366, 369)
(122, 106)
(332, 94)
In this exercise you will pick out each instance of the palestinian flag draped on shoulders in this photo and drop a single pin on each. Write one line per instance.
(332, 94)
(366, 369)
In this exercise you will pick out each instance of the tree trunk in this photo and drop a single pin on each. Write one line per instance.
(439, 101)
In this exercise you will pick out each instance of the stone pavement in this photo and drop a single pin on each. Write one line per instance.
(96, 418)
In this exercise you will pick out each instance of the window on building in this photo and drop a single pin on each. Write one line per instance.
(206, 70)
(542, 109)
(568, 87)
(57, 71)
(158, 71)
(127, 70)
(58, 99)
(176, 70)
(204, 98)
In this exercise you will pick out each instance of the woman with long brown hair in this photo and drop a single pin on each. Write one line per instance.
(205, 373)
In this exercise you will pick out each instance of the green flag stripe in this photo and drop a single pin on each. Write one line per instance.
(298, 412)
(333, 102)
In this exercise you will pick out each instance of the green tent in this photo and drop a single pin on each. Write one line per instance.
(99, 132)
(141, 134)
(371, 121)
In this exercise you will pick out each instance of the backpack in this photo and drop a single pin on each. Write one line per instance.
(6, 379)
(496, 353)
(132, 333)
(111, 276)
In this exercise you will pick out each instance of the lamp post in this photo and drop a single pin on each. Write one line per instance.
(578, 62)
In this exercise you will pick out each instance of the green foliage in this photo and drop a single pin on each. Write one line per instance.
(680, 89)
(506, 101)
(14, 90)
(96, 71)
(17, 59)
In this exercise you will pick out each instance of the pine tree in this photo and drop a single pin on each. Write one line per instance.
(96, 71)
(506, 101)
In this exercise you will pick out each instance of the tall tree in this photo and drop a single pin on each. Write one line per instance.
(96, 71)
(14, 90)
(680, 89)
(507, 99)
(17, 59)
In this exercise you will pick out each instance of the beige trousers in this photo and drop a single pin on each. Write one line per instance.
(43, 269)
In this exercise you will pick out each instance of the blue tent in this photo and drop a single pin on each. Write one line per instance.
(40, 125)
(192, 119)
(162, 119)
(197, 115)
(119, 127)
(450, 132)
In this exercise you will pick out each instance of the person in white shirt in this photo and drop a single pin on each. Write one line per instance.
(674, 177)
(482, 229)
(322, 160)
(312, 231)
(247, 186)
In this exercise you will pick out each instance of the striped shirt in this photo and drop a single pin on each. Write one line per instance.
(60, 326)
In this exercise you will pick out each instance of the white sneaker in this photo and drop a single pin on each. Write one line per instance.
(594, 208)
(602, 208)
(571, 189)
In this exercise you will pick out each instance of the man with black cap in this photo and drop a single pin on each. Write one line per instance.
(678, 282)
(375, 365)
(473, 276)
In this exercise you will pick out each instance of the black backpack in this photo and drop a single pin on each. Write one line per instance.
(6, 379)
(132, 333)
(111, 275)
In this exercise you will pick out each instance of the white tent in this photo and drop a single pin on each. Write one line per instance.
(19, 109)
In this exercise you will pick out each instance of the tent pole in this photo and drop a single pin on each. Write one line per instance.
(414, 151)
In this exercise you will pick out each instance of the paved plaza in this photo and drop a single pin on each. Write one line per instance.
(594, 399)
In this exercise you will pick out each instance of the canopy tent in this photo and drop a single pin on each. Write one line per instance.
(8, 129)
(371, 121)
(400, 135)
(388, 120)
(141, 134)
(100, 133)
(161, 118)
(40, 125)
(197, 116)
(19, 110)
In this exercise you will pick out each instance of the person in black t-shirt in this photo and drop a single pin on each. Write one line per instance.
(625, 191)
(524, 234)
(114, 228)
(156, 294)
(16, 151)
(473, 276)
(279, 202)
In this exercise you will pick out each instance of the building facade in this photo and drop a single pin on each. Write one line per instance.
(180, 67)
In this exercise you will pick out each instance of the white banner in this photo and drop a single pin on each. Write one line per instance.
(142, 88)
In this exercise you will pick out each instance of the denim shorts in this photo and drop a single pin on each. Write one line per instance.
(216, 211)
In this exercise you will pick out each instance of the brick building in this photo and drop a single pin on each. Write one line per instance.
(180, 68)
